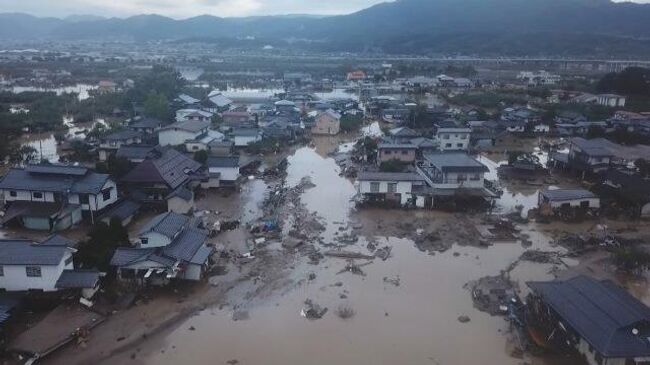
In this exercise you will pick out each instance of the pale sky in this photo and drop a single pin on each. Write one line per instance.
(187, 8)
(183, 8)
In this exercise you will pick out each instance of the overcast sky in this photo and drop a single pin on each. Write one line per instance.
(185, 8)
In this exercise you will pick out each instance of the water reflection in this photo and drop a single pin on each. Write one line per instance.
(82, 90)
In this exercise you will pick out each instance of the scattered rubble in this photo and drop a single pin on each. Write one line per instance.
(492, 293)
(312, 311)
(542, 257)
(463, 319)
(345, 312)
(393, 281)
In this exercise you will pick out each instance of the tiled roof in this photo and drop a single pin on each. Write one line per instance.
(450, 162)
(389, 176)
(44, 178)
(229, 161)
(25, 252)
(78, 279)
(167, 224)
(567, 194)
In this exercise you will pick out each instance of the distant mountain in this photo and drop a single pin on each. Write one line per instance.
(499, 27)
(83, 18)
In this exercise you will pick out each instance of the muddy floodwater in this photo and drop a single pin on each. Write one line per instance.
(403, 310)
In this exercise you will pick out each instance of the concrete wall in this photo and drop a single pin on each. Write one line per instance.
(243, 141)
(15, 277)
(193, 272)
(453, 141)
(179, 205)
(403, 187)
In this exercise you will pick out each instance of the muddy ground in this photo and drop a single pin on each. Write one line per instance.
(339, 285)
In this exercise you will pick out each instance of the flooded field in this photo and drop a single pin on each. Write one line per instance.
(82, 90)
(404, 309)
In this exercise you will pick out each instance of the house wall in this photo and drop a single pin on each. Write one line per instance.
(174, 137)
(27, 195)
(15, 277)
(453, 141)
(405, 155)
(594, 203)
(97, 202)
(326, 125)
(155, 239)
(227, 173)
(451, 180)
(193, 272)
(195, 146)
(403, 187)
(590, 356)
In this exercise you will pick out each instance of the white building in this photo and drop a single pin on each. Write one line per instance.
(52, 197)
(568, 198)
(610, 100)
(397, 187)
(538, 78)
(48, 266)
(450, 137)
(227, 168)
(246, 136)
(177, 133)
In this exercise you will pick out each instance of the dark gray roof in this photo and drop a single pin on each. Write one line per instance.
(42, 178)
(134, 152)
(122, 135)
(202, 255)
(185, 246)
(603, 313)
(400, 146)
(567, 194)
(125, 256)
(56, 169)
(58, 240)
(146, 123)
(229, 161)
(403, 132)
(181, 192)
(389, 176)
(194, 126)
(167, 224)
(78, 279)
(455, 162)
(121, 210)
(25, 252)
(246, 132)
(171, 168)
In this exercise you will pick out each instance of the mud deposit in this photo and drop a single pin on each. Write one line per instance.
(392, 292)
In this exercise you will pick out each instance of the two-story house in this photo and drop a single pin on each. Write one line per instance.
(54, 197)
(451, 137)
(387, 187)
(47, 266)
(400, 152)
(327, 123)
(110, 143)
(177, 133)
(224, 169)
(171, 246)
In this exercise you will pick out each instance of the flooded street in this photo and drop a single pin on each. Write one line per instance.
(401, 310)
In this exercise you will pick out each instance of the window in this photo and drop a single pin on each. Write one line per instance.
(475, 177)
(37, 195)
(2, 271)
(405, 152)
(33, 271)
(445, 136)
(106, 194)
(387, 152)
(459, 145)
(463, 136)
(462, 177)
(392, 187)
(448, 145)
(13, 194)
(83, 198)
(374, 187)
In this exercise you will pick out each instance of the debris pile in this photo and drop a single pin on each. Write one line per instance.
(312, 311)
(492, 293)
(542, 257)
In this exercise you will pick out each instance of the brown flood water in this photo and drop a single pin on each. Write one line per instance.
(414, 322)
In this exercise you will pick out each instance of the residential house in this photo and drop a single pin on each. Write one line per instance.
(197, 115)
(451, 137)
(47, 266)
(171, 246)
(402, 134)
(395, 115)
(221, 148)
(216, 103)
(202, 142)
(227, 169)
(181, 200)
(280, 128)
(109, 144)
(236, 118)
(598, 319)
(400, 152)
(562, 200)
(246, 136)
(327, 123)
(167, 170)
(357, 75)
(147, 126)
(135, 154)
(285, 106)
(540, 78)
(395, 187)
(124, 210)
(625, 188)
(187, 101)
(177, 133)
(453, 174)
(54, 197)
(106, 87)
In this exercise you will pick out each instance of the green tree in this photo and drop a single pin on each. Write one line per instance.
(201, 156)
(103, 239)
(156, 105)
(350, 123)
(631, 259)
